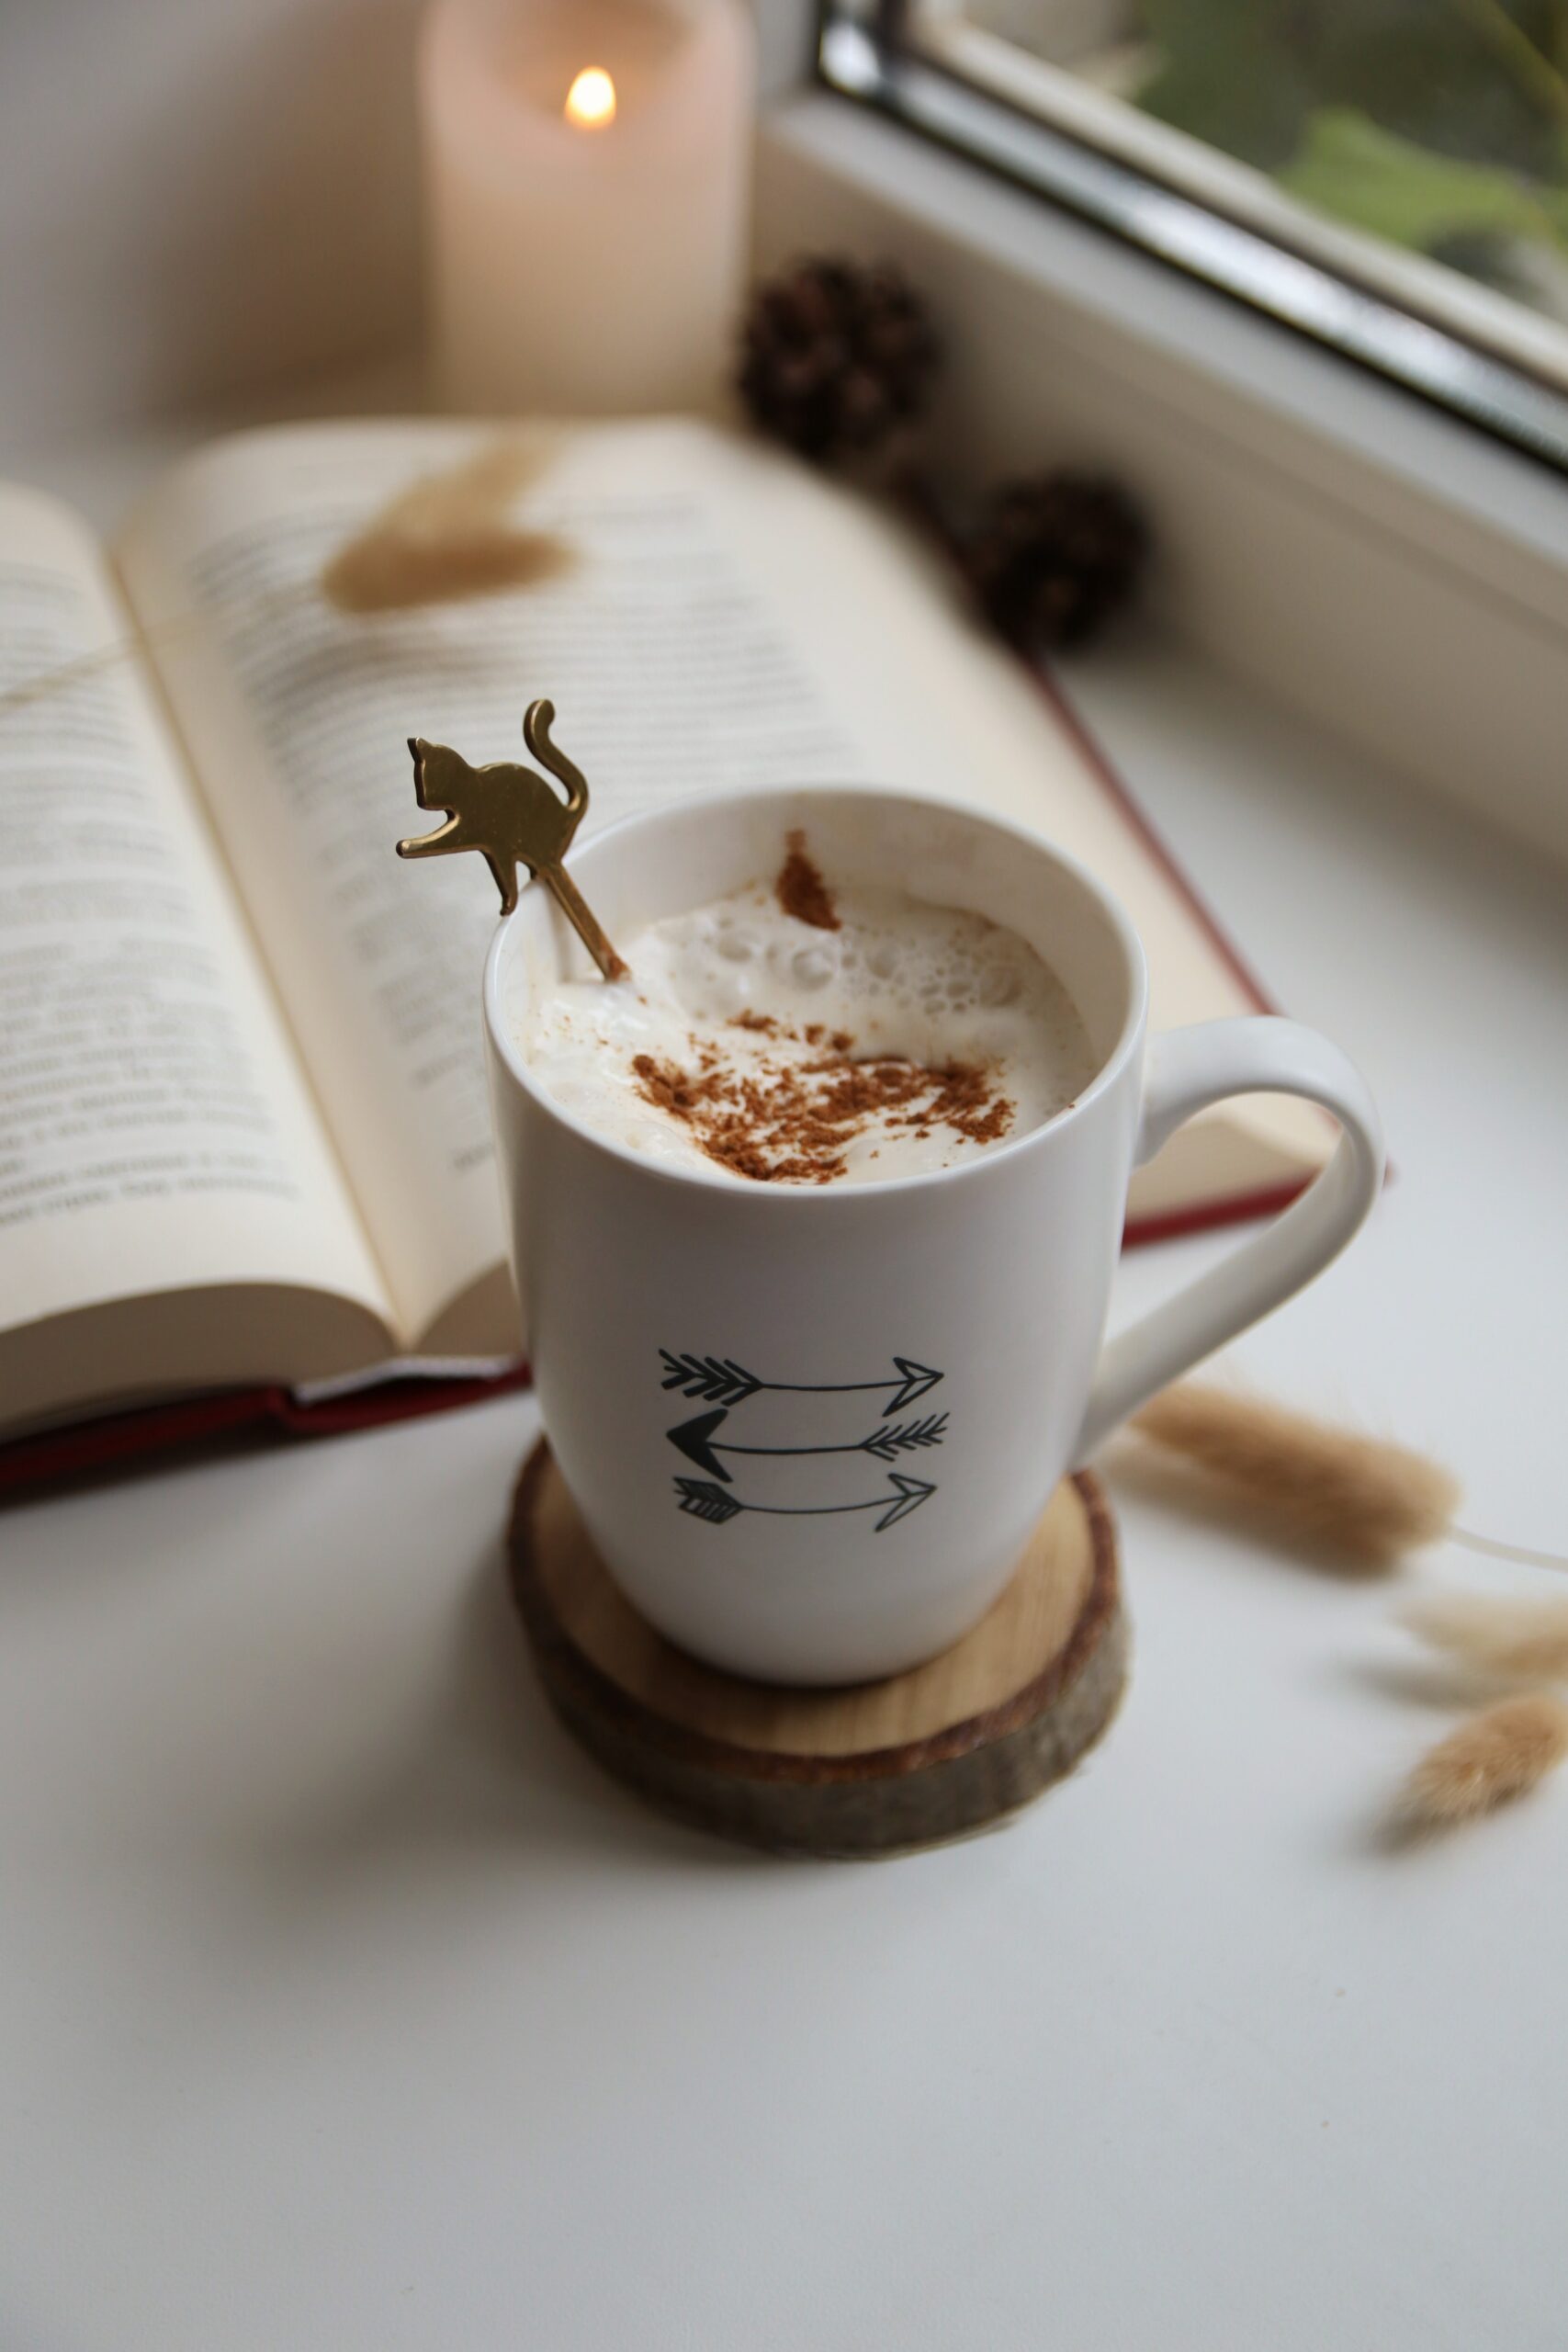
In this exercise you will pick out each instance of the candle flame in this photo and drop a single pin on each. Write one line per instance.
(590, 101)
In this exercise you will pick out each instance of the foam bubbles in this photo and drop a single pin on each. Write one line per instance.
(899, 977)
(811, 968)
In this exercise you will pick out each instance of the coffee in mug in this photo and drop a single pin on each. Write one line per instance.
(811, 1380)
(790, 1033)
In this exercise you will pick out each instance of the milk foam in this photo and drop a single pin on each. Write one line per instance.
(899, 977)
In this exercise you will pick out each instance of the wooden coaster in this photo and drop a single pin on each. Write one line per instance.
(878, 1767)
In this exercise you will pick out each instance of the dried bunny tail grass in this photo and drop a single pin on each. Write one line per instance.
(449, 536)
(441, 540)
(1493, 1757)
(1523, 1556)
(1322, 1488)
(1528, 1638)
(382, 574)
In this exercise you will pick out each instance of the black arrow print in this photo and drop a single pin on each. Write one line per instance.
(711, 1503)
(697, 1442)
(715, 1378)
(720, 1380)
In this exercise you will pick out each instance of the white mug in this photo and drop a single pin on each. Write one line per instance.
(811, 1428)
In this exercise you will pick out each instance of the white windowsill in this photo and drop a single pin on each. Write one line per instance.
(1382, 567)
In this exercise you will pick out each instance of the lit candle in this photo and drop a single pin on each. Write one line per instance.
(586, 174)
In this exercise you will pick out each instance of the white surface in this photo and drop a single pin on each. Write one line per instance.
(193, 197)
(342, 2005)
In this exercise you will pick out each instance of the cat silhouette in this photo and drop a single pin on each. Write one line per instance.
(506, 811)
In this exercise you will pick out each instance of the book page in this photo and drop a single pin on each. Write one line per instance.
(668, 673)
(155, 1134)
(727, 620)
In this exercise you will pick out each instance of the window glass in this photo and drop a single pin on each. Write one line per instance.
(1415, 151)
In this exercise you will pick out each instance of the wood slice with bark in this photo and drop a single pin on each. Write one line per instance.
(876, 1768)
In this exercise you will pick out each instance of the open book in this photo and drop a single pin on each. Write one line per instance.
(243, 1133)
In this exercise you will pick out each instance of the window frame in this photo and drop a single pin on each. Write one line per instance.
(1359, 554)
(860, 52)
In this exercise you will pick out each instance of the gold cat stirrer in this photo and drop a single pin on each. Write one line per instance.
(513, 818)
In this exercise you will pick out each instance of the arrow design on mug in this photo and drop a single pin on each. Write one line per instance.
(720, 1380)
(708, 1502)
(696, 1440)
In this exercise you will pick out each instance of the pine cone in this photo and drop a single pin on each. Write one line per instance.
(1053, 556)
(835, 355)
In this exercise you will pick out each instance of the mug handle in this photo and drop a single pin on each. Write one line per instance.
(1185, 1072)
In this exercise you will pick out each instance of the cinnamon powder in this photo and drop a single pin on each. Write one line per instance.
(781, 1121)
(792, 1122)
(800, 889)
